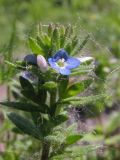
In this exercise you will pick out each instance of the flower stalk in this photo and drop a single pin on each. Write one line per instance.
(45, 151)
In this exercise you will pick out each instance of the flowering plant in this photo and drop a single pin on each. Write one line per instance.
(50, 84)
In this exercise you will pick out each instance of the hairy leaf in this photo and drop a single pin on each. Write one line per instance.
(25, 84)
(76, 101)
(77, 88)
(59, 119)
(34, 46)
(113, 124)
(28, 107)
(62, 86)
(73, 139)
(24, 125)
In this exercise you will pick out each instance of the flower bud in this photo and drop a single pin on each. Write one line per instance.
(29, 76)
(42, 63)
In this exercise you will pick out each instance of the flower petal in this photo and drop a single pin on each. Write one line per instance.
(53, 64)
(64, 71)
(72, 62)
(60, 54)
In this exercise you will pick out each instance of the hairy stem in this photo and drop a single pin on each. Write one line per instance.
(8, 93)
(52, 98)
(46, 145)
(45, 151)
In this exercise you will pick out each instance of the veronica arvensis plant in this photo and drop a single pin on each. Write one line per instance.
(46, 90)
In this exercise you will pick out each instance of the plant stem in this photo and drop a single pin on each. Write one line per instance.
(46, 145)
(8, 93)
(45, 151)
(52, 98)
(52, 102)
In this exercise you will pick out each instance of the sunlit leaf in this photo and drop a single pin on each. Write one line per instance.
(73, 139)
(34, 46)
(77, 88)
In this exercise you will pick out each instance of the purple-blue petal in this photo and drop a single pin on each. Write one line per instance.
(53, 64)
(64, 71)
(72, 62)
(60, 54)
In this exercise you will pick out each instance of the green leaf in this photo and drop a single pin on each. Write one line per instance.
(73, 139)
(48, 125)
(59, 119)
(40, 42)
(29, 95)
(28, 107)
(62, 86)
(76, 101)
(114, 140)
(82, 69)
(17, 64)
(71, 129)
(28, 90)
(113, 124)
(17, 130)
(84, 42)
(36, 117)
(34, 46)
(77, 88)
(47, 40)
(50, 30)
(56, 39)
(68, 31)
(90, 137)
(68, 47)
(62, 37)
(11, 64)
(75, 152)
(25, 84)
(42, 95)
(24, 125)
(75, 41)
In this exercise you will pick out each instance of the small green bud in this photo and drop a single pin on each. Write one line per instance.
(40, 29)
(56, 39)
(50, 85)
(62, 30)
(56, 33)
(50, 30)
(68, 31)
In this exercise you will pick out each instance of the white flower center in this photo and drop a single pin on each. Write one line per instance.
(61, 62)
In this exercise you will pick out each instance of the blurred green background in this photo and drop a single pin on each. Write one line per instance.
(99, 18)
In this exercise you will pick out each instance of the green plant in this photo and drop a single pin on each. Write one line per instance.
(48, 90)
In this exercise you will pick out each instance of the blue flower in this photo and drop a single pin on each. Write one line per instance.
(63, 63)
